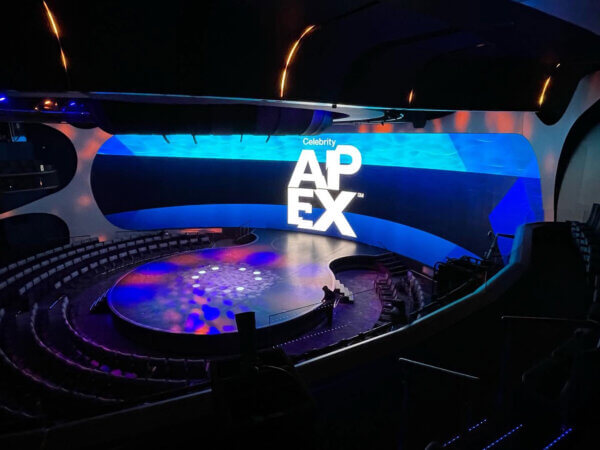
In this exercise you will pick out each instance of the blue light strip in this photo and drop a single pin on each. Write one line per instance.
(454, 439)
(504, 436)
(477, 425)
(494, 154)
(457, 437)
(563, 435)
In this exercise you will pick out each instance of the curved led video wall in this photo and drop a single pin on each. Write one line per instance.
(426, 196)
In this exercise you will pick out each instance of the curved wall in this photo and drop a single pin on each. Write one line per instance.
(76, 204)
(581, 182)
(427, 196)
(27, 234)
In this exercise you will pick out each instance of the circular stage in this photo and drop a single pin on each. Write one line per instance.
(279, 276)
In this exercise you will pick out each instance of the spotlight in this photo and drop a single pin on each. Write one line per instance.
(47, 104)
(2, 98)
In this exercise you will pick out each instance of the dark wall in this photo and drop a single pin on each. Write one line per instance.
(49, 146)
(28, 234)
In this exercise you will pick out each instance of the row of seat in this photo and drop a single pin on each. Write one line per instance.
(414, 290)
(66, 267)
(393, 301)
(56, 372)
(567, 382)
(110, 380)
(149, 367)
(54, 259)
(13, 268)
(67, 399)
(586, 236)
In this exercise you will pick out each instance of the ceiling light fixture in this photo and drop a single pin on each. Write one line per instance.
(290, 57)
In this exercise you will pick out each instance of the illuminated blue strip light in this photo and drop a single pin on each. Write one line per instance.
(477, 425)
(454, 439)
(563, 435)
(504, 436)
(457, 437)
(411, 242)
(494, 154)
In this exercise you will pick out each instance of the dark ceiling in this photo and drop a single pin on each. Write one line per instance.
(464, 54)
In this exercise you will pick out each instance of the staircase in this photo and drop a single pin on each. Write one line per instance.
(392, 300)
(345, 295)
(392, 263)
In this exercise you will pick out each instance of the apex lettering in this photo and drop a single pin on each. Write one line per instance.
(308, 170)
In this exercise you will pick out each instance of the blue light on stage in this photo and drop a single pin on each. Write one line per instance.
(495, 154)
(2, 98)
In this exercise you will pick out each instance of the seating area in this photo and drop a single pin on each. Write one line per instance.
(586, 236)
(109, 360)
(48, 360)
(400, 291)
(300, 225)
(60, 269)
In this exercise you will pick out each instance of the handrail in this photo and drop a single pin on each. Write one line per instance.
(426, 308)
(293, 309)
(441, 370)
(564, 320)
(453, 291)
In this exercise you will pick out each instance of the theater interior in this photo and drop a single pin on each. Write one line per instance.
(300, 224)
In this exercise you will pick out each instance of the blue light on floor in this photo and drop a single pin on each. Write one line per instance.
(503, 437)
(559, 438)
(477, 425)
(451, 441)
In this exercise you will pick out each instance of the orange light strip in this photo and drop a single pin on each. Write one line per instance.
(290, 56)
(543, 94)
(411, 95)
(51, 19)
(54, 26)
(63, 59)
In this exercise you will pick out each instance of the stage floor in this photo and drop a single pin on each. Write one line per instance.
(279, 276)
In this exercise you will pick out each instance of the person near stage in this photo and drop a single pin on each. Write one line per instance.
(329, 301)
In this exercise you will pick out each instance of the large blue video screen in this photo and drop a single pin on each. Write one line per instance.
(427, 196)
